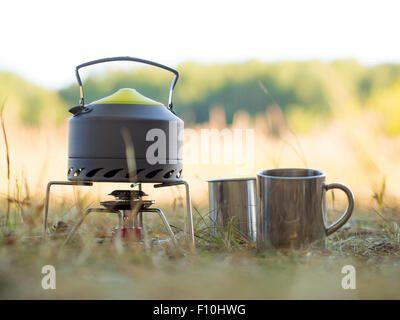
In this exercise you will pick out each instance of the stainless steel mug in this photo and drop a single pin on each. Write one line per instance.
(291, 208)
(233, 203)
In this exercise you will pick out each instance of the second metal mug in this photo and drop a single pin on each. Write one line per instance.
(233, 204)
(291, 208)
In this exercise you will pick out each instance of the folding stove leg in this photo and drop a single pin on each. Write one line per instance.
(60, 183)
(189, 214)
(165, 222)
(78, 224)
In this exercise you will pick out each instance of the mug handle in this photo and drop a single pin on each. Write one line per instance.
(347, 214)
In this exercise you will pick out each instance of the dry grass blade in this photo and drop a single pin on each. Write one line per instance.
(131, 163)
(3, 127)
(130, 154)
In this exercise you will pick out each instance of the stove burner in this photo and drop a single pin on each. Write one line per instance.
(128, 194)
(127, 204)
(127, 200)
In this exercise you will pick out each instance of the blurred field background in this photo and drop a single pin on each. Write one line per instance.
(340, 117)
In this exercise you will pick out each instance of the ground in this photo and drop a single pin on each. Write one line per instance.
(218, 269)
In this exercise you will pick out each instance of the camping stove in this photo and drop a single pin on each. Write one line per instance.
(129, 206)
(125, 137)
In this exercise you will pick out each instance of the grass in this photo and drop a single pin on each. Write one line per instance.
(3, 127)
(220, 268)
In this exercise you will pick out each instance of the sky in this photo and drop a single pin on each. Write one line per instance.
(43, 41)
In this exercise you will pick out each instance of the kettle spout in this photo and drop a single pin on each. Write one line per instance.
(77, 110)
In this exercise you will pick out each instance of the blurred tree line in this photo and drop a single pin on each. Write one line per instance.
(305, 91)
(29, 103)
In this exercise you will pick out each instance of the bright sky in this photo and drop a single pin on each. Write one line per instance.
(44, 40)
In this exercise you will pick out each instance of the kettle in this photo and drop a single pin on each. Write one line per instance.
(98, 131)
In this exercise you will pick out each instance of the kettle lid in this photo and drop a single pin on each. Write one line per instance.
(127, 96)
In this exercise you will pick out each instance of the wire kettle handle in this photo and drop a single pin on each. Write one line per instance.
(155, 64)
